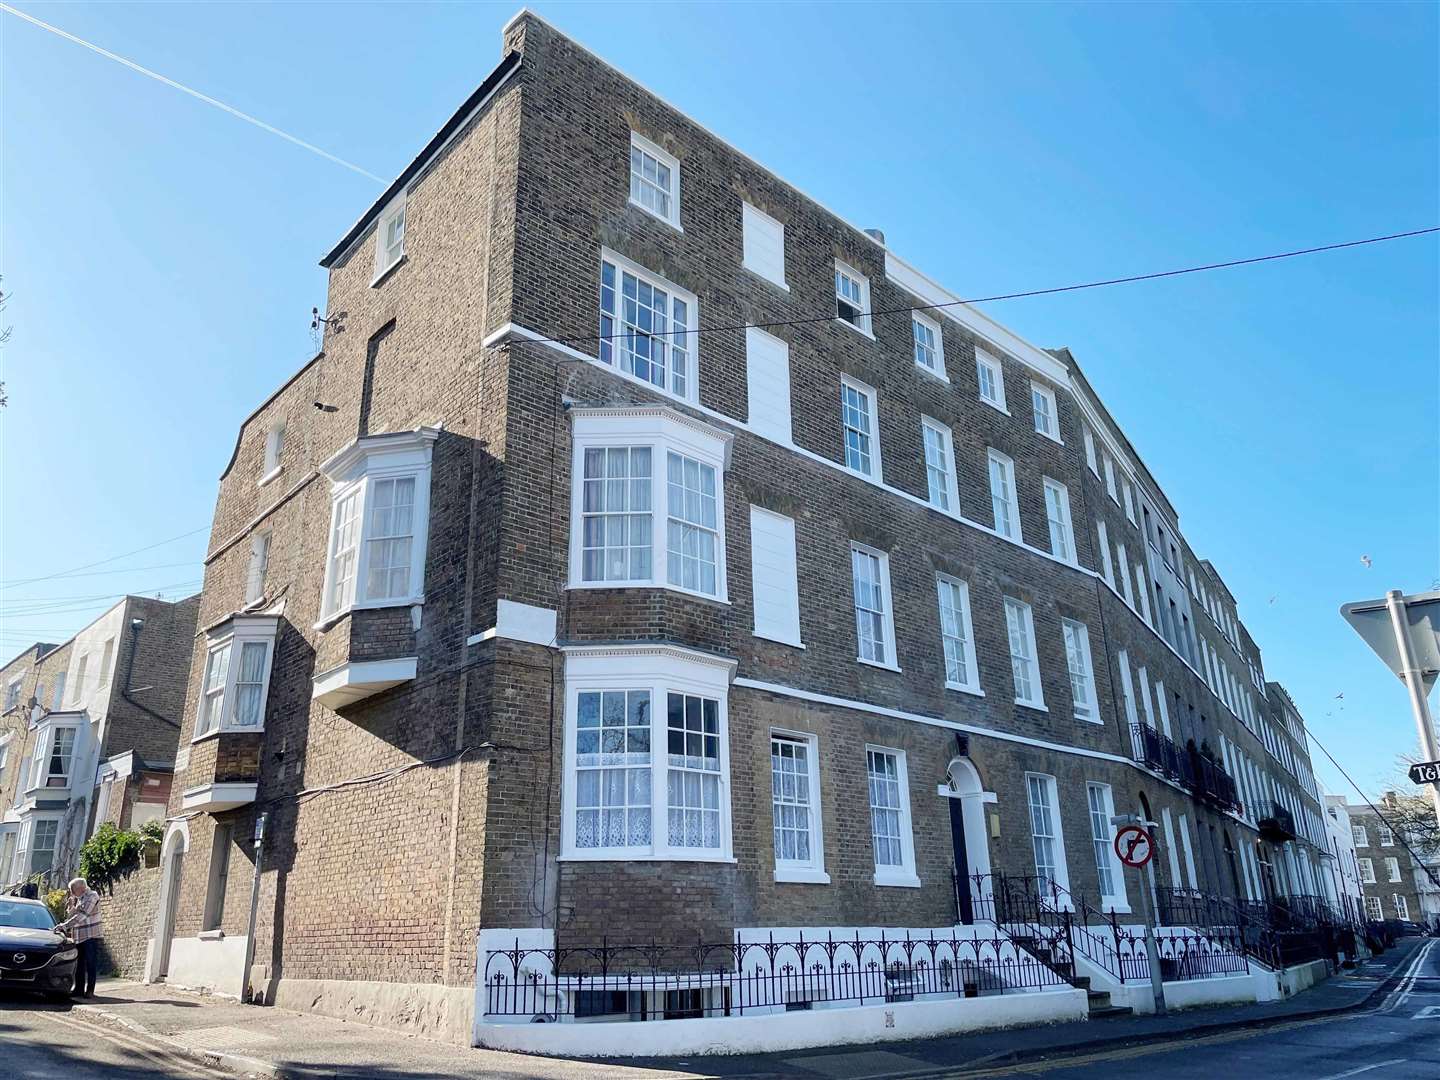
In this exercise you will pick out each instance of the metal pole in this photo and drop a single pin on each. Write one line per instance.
(1152, 950)
(1415, 683)
(245, 994)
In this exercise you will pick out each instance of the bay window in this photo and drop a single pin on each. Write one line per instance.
(52, 760)
(629, 462)
(647, 327)
(646, 757)
(379, 521)
(44, 836)
(236, 675)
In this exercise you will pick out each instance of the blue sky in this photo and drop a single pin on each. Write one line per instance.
(163, 255)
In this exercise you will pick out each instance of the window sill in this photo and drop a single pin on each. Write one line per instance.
(800, 876)
(271, 475)
(877, 664)
(385, 271)
(1118, 909)
(1098, 721)
(938, 376)
(777, 640)
(997, 406)
(613, 856)
(869, 478)
(961, 688)
(232, 730)
(1053, 438)
(211, 935)
(858, 329)
(1038, 706)
(764, 277)
(651, 213)
(897, 881)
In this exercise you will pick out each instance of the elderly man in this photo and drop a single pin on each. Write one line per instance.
(83, 905)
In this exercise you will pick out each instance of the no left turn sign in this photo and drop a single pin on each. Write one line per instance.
(1134, 846)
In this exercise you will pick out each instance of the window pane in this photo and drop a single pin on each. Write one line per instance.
(613, 762)
(885, 808)
(693, 779)
(615, 522)
(692, 539)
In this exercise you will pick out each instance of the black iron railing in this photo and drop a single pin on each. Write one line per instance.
(667, 982)
(1278, 825)
(1187, 766)
(1279, 932)
(1056, 925)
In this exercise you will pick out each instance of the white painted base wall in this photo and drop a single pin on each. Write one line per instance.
(211, 964)
(444, 1013)
(786, 1031)
(1188, 993)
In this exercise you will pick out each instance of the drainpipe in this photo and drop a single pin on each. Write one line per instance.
(245, 992)
(135, 625)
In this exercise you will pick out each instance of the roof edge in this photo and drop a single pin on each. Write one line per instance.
(501, 72)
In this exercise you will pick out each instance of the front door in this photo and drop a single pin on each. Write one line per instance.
(172, 901)
(964, 902)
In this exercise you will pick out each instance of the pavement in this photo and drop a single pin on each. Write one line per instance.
(213, 1034)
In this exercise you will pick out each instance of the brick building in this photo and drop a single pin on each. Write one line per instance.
(901, 602)
(88, 734)
(1397, 874)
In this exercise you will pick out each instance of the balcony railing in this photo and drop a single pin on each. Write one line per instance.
(1205, 778)
(1279, 825)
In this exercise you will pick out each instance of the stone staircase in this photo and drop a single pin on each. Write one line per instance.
(1097, 1000)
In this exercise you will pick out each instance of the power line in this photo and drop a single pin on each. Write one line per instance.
(831, 316)
(1394, 829)
(108, 573)
(206, 98)
(102, 562)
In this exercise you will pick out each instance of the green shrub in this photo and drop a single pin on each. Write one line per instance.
(55, 901)
(109, 855)
(153, 833)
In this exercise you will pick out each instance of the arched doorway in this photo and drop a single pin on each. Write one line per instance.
(969, 843)
(172, 861)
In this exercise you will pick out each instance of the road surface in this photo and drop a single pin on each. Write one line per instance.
(1398, 1039)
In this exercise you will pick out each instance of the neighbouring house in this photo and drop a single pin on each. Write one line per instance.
(1399, 873)
(88, 734)
(594, 653)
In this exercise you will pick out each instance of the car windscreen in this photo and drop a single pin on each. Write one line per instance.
(30, 916)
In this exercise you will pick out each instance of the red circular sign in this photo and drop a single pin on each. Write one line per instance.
(1134, 846)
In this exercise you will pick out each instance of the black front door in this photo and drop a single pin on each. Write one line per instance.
(964, 904)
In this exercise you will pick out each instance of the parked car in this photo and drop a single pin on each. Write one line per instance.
(33, 955)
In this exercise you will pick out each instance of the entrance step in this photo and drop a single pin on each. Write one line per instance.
(1111, 1011)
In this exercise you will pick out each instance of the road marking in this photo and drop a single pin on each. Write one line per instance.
(1407, 981)
(1366, 1068)
(157, 1052)
(1430, 1012)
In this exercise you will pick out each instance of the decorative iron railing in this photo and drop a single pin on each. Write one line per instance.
(1186, 766)
(1279, 932)
(666, 982)
(1058, 926)
(1278, 825)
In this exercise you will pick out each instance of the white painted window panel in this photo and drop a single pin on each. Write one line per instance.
(773, 570)
(767, 371)
(764, 240)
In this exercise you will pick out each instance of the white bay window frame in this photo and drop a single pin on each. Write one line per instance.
(659, 671)
(49, 736)
(664, 431)
(228, 674)
(355, 473)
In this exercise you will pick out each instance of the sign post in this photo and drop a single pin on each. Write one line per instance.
(1427, 772)
(1404, 631)
(245, 991)
(1135, 847)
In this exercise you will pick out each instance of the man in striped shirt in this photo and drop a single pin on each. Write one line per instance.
(83, 904)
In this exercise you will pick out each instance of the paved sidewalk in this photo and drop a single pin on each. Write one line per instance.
(273, 1042)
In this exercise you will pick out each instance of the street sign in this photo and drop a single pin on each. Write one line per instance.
(1134, 846)
(1373, 621)
(1427, 772)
